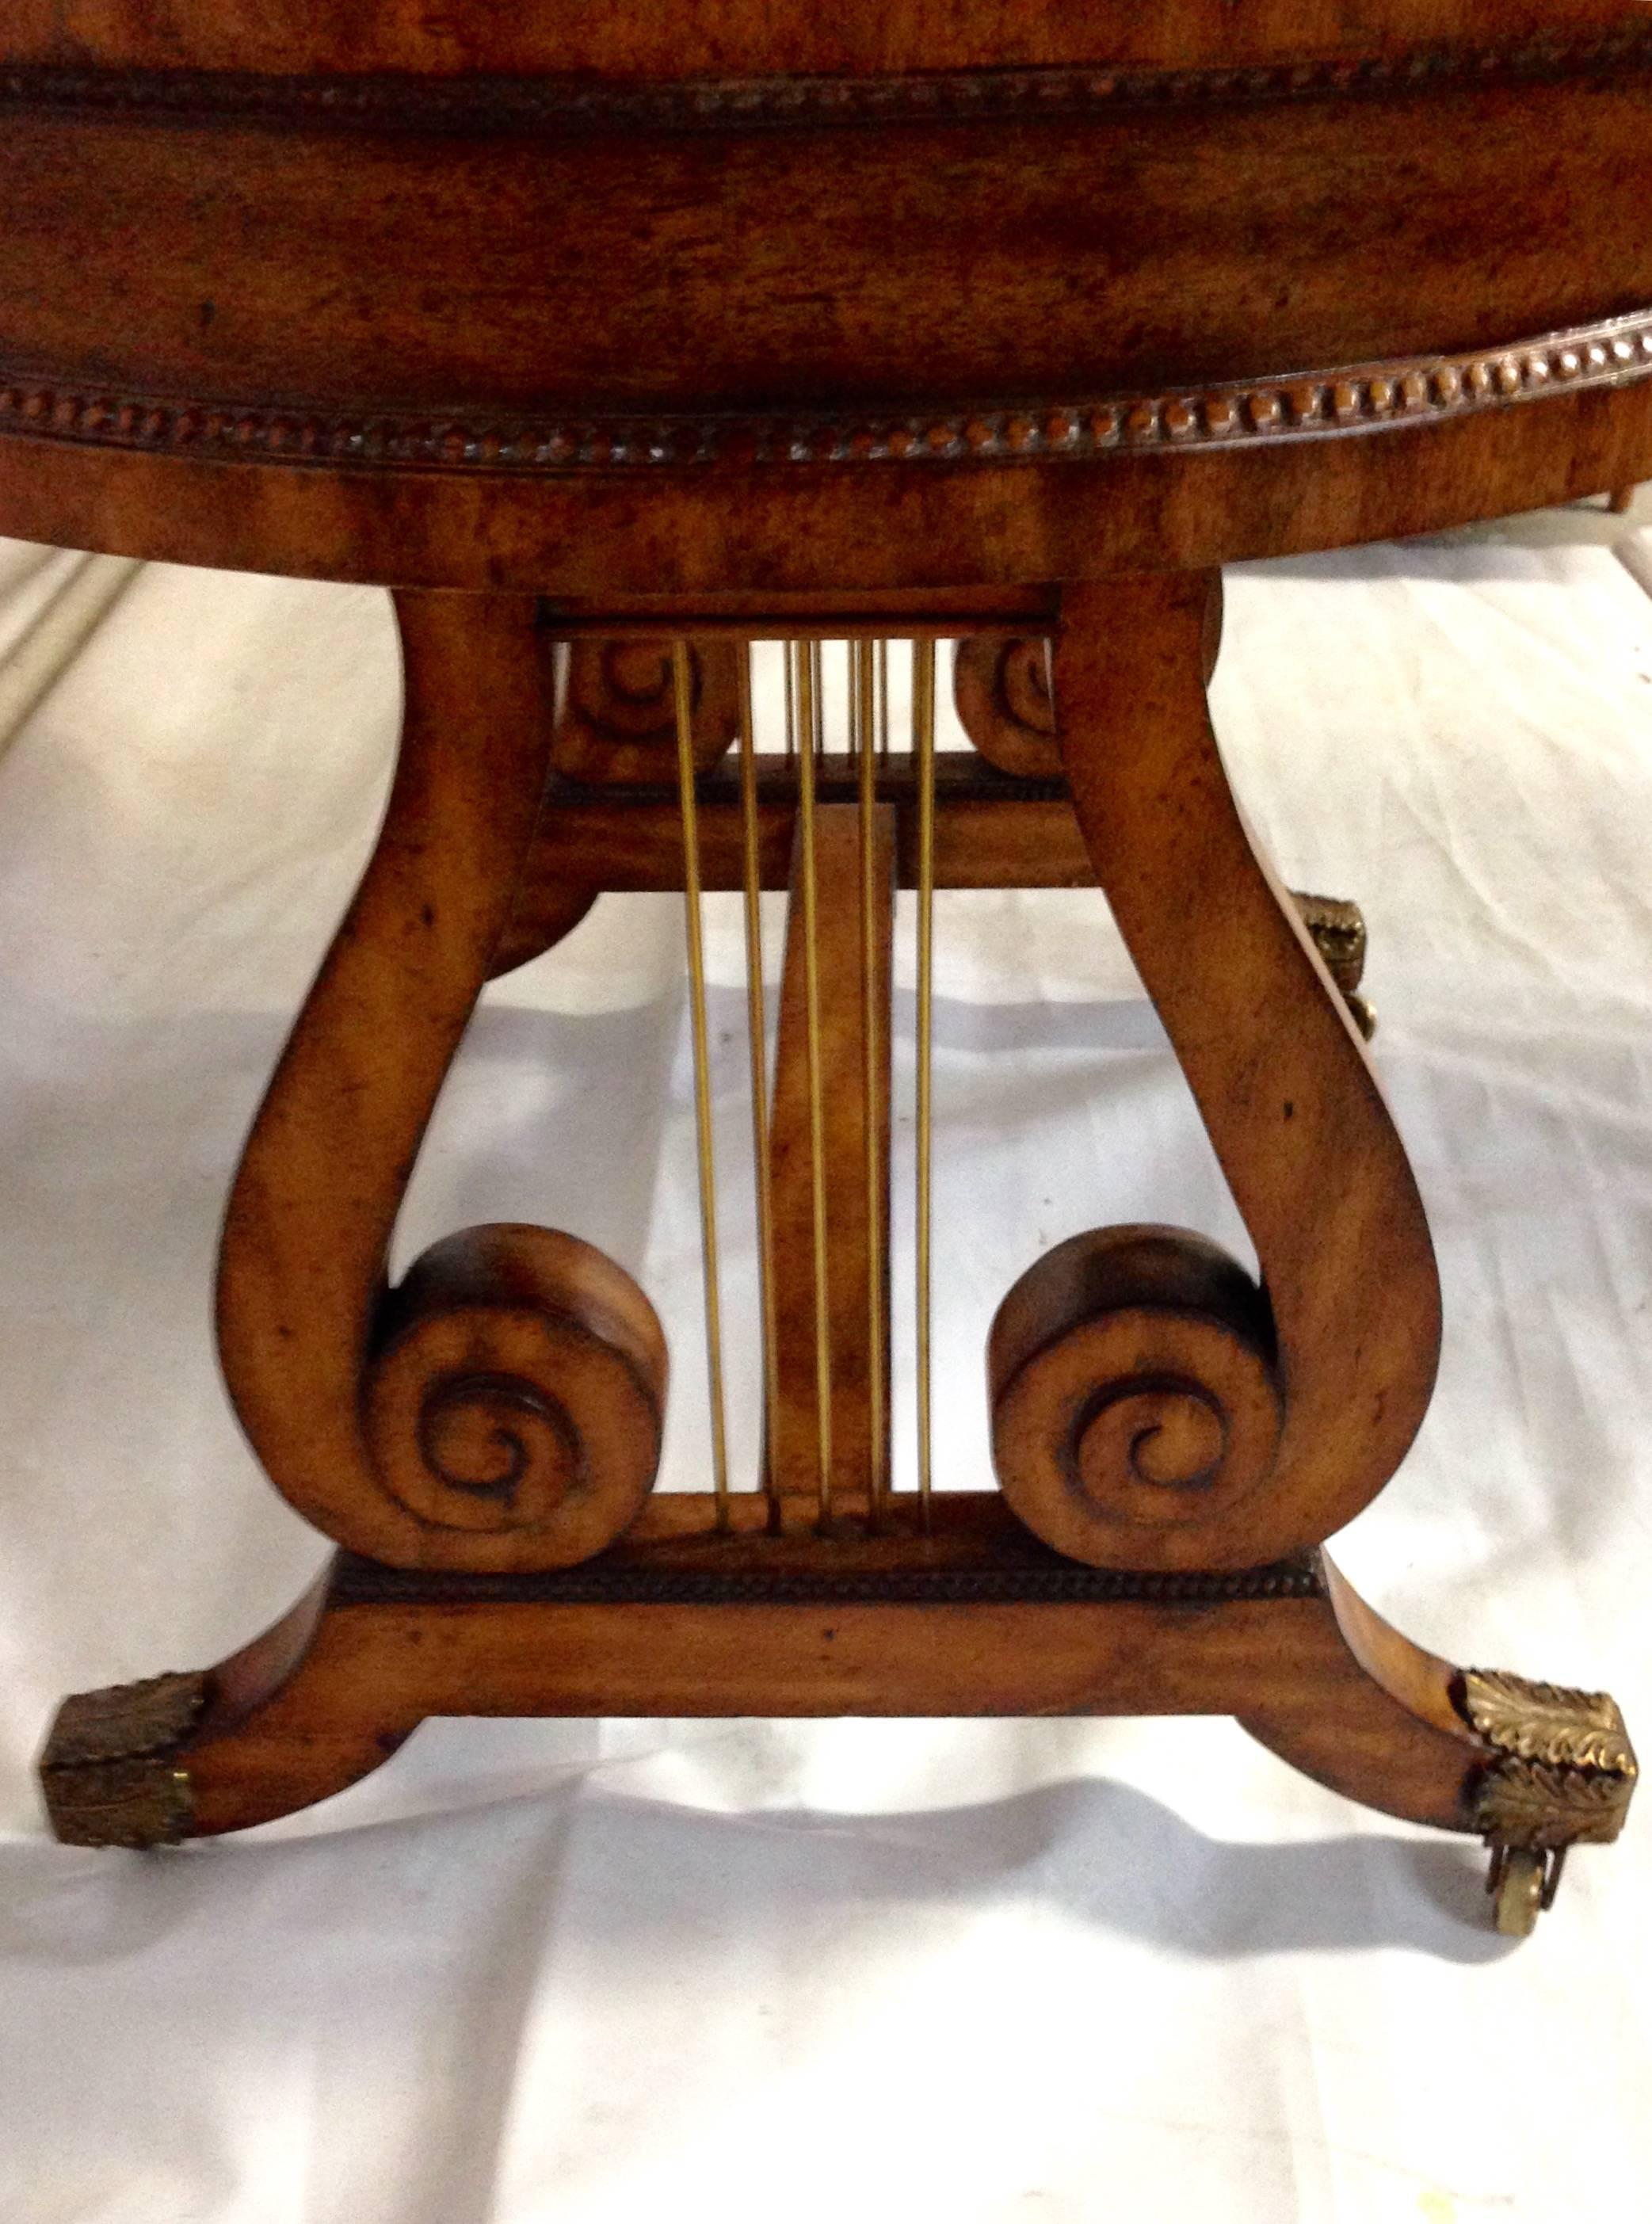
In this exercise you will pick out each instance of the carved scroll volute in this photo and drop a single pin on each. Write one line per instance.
(503, 1408)
(1002, 691)
(1345, 1333)
(616, 709)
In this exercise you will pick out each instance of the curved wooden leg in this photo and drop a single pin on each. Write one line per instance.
(1152, 1406)
(532, 929)
(1006, 706)
(1531, 1768)
(848, 1627)
(277, 1727)
(1005, 702)
(502, 1407)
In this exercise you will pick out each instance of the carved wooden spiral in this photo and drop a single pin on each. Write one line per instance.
(1134, 1389)
(518, 1385)
(1002, 693)
(616, 723)
(1006, 704)
(502, 1409)
(616, 726)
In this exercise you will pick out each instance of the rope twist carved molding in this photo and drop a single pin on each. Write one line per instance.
(517, 104)
(629, 1583)
(1244, 414)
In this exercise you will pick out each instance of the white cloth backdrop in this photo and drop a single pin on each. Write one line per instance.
(990, 1972)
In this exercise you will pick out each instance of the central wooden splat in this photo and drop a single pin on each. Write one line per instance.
(832, 1410)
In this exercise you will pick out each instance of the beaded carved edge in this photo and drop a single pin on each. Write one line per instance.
(1565, 1771)
(1248, 414)
(567, 104)
(112, 1771)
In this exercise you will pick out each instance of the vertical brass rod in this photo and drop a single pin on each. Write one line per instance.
(758, 1034)
(681, 687)
(816, 723)
(882, 699)
(923, 736)
(809, 674)
(865, 724)
(791, 699)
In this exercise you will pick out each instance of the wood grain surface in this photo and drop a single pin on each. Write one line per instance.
(737, 37)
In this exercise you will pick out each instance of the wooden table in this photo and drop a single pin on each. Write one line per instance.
(613, 340)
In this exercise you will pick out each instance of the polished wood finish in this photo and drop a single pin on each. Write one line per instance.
(875, 532)
(616, 723)
(502, 1407)
(1005, 701)
(988, 834)
(429, 303)
(1136, 1401)
(860, 1458)
(595, 330)
(744, 1623)
(781, 281)
(1280, 1074)
(632, 39)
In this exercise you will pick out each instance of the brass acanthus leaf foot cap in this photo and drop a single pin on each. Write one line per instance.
(111, 1770)
(1564, 1770)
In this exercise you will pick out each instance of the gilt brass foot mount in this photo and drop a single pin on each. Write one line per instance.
(1563, 1776)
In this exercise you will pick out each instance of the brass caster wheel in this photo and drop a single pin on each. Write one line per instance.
(1522, 1884)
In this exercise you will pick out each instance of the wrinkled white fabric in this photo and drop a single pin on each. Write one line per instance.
(1062, 1970)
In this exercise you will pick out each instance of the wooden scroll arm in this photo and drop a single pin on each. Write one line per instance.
(1345, 1336)
(502, 1409)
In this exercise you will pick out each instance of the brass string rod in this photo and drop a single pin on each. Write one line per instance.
(757, 1031)
(882, 655)
(682, 692)
(808, 708)
(923, 742)
(864, 725)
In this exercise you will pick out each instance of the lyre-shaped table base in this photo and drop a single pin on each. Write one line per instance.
(1173, 1441)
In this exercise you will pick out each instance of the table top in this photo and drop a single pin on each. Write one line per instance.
(602, 300)
(717, 38)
